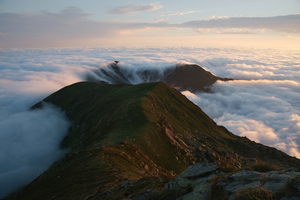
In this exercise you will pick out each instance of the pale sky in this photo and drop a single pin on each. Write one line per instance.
(199, 23)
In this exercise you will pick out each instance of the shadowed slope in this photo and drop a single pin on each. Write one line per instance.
(125, 139)
(190, 77)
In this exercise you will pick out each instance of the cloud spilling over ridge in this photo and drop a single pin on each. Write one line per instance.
(134, 8)
(128, 74)
(29, 144)
(265, 112)
(262, 104)
(30, 139)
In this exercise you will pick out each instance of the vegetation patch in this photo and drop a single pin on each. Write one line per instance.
(254, 193)
(263, 167)
(291, 189)
(127, 141)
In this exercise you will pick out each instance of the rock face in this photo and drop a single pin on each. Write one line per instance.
(194, 176)
(135, 141)
(205, 180)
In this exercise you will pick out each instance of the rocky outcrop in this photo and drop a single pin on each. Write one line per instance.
(205, 179)
(194, 176)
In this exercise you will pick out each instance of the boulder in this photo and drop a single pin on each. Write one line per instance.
(274, 185)
(245, 174)
(194, 175)
(197, 170)
(200, 177)
(200, 192)
(235, 186)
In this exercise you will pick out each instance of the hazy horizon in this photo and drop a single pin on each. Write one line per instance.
(214, 23)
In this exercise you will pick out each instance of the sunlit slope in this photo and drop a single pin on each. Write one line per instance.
(101, 113)
(125, 139)
(156, 117)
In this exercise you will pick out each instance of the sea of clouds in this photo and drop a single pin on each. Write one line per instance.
(262, 103)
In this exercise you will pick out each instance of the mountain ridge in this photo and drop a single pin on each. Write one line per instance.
(125, 139)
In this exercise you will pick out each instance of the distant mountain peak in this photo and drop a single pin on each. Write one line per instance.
(183, 76)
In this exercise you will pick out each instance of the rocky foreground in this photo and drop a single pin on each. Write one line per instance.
(206, 181)
(148, 141)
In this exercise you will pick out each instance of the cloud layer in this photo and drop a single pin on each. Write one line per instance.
(29, 144)
(262, 103)
(286, 24)
(30, 139)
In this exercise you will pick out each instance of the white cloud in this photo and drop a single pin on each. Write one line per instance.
(264, 105)
(281, 146)
(179, 13)
(29, 144)
(217, 17)
(254, 130)
(134, 8)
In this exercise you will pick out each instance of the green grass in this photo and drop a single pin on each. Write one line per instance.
(262, 167)
(161, 132)
(101, 113)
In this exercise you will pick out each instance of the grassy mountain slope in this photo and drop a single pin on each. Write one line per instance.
(125, 139)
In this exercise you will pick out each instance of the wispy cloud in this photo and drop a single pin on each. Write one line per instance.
(179, 13)
(217, 17)
(160, 19)
(291, 36)
(72, 27)
(69, 26)
(288, 23)
(238, 31)
(134, 8)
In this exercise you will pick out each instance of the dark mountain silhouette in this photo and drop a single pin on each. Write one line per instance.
(182, 76)
(129, 141)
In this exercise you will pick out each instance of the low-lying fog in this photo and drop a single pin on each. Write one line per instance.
(263, 103)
